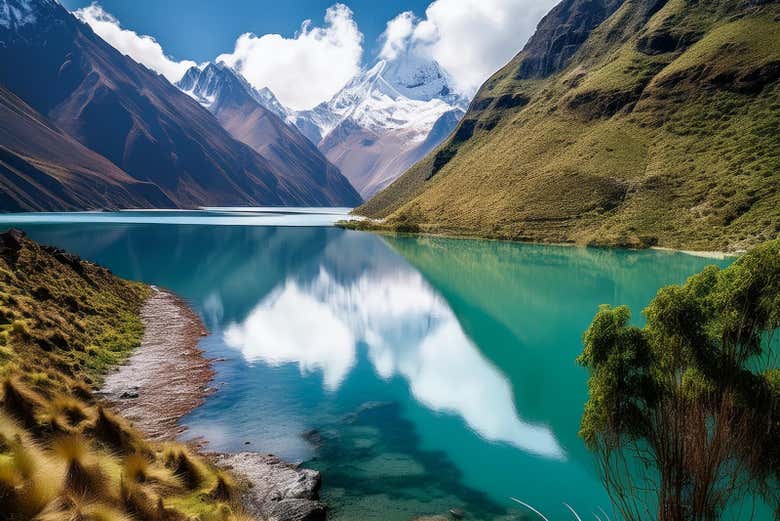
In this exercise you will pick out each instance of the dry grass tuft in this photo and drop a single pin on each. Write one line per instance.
(69, 508)
(84, 476)
(115, 433)
(64, 415)
(184, 465)
(28, 479)
(139, 502)
(20, 402)
(224, 489)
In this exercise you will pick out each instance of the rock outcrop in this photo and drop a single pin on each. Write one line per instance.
(278, 491)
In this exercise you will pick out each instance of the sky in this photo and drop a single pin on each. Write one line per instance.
(306, 50)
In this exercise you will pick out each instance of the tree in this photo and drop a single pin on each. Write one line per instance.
(684, 413)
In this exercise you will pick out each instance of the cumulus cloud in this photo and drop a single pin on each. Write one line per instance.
(470, 39)
(143, 49)
(306, 69)
(397, 35)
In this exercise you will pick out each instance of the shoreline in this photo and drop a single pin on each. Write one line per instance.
(167, 377)
(378, 228)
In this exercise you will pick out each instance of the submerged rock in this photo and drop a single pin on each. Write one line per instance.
(313, 437)
(279, 491)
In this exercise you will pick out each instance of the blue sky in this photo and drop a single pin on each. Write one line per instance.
(305, 65)
(199, 30)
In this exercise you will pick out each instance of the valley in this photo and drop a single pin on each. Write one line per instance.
(413, 260)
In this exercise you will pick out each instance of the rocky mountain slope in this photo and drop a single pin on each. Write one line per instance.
(242, 111)
(622, 122)
(43, 168)
(384, 120)
(135, 118)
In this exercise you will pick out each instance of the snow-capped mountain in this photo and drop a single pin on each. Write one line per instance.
(380, 123)
(211, 81)
(256, 118)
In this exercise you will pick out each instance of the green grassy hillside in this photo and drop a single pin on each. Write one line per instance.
(63, 456)
(662, 128)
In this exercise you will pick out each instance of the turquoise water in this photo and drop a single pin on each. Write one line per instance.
(417, 374)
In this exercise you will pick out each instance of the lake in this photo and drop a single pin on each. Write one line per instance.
(417, 374)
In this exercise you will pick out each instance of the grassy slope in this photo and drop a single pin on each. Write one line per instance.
(631, 144)
(64, 322)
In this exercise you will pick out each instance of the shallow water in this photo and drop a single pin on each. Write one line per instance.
(417, 374)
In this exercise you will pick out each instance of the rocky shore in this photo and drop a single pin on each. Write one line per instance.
(167, 377)
(277, 490)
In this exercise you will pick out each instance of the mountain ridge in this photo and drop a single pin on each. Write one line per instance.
(44, 169)
(242, 111)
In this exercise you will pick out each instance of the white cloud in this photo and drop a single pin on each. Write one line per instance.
(396, 36)
(143, 49)
(307, 69)
(471, 39)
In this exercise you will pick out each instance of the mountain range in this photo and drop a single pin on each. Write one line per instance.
(621, 122)
(164, 148)
(211, 140)
(378, 125)
(43, 168)
(241, 110)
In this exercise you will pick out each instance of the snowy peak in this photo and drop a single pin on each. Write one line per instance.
(217, 83)
(204, 85)
(417, 78)
(267, 99)
(18, 13)
(407, 92)
(384, 120)
(404, 78)
(214, 83)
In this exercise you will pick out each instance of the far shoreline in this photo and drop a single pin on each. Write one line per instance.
(375, 227)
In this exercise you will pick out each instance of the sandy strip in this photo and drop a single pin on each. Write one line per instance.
(717, 255)
(167, 376)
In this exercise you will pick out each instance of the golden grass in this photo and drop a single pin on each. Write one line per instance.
(63, 455)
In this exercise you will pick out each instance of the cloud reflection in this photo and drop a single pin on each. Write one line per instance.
(409, 331)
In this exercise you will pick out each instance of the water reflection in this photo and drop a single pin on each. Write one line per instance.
(408, 331)
(290, 325)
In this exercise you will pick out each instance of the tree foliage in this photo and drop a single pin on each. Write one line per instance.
(686, 410)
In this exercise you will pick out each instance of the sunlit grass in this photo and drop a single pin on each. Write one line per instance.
(63, 455)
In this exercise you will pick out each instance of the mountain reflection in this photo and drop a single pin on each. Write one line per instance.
(407, 330)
